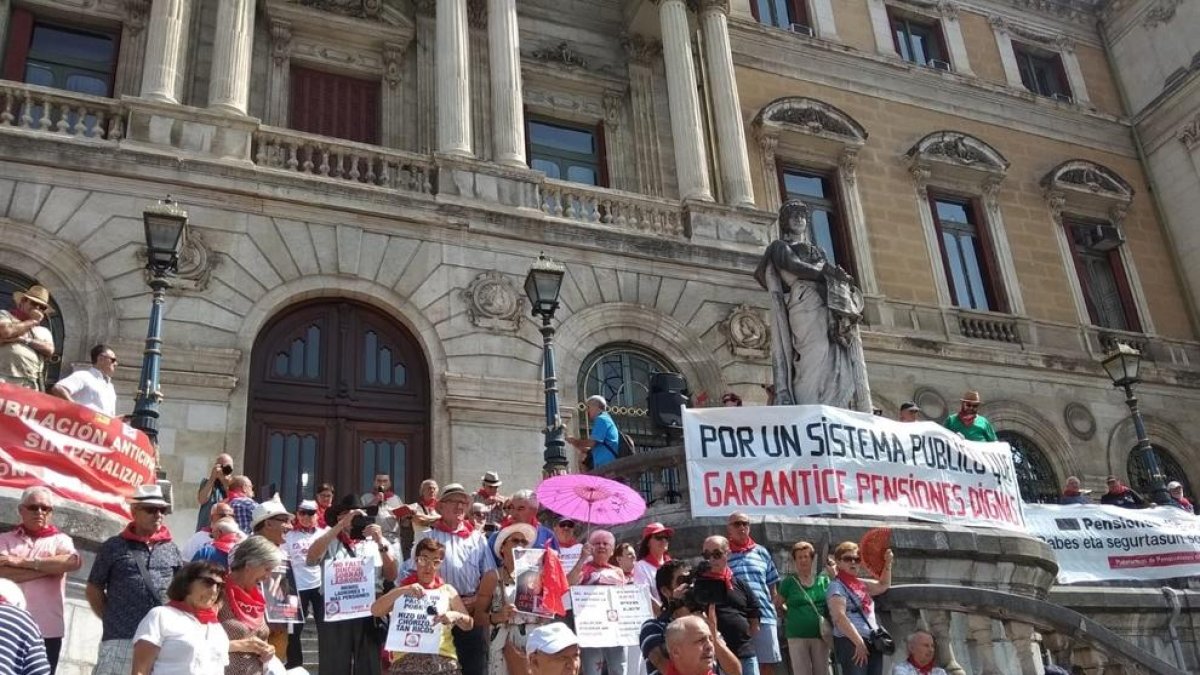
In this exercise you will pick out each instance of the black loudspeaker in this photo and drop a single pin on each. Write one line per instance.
(668, 395)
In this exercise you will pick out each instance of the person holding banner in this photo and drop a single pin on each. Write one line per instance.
(244, 612)
(803, 606)
(497, 608)
(184, 637)
(600, 571)
(428, 555)
(852, 608)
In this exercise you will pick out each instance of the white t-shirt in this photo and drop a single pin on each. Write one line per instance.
(89, 387)
(194, 544)
(295, 547)
(185, 645)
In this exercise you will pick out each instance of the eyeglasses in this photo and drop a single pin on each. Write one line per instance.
(426, 560)
(518, 542)
(851, 559)
(156, 510)
(211, 583)
(38, 508)
(661, 537)
(712, 555)
(110, 358)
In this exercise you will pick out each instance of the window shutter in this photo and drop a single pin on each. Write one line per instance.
(1081, 273)
(941, 240)
(20, 35)
(1122, 278)
(800, 14)
(754, 10)
(601, 155)
(334, 105)
(983, 230)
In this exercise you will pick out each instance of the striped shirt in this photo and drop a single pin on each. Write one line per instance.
(467, 559)
(756, 568)
(22, 651)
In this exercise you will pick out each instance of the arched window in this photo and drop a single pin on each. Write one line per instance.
(621, 374)
(1035, 475)
(11, 282)
(1141, 477)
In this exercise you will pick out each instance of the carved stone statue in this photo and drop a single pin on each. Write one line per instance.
(815, 309)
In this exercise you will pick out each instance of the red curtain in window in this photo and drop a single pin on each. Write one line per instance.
(20, 34)
(334, 105)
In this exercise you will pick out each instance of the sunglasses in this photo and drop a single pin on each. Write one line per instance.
(851, 559)
(306, 513)
(518, 542)
(110, 358)
(156, 510)
(712, 555)
(567, 525)
(211, 583)
(38, 508)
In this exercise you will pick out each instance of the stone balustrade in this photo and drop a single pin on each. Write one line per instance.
(293, 151)
(623, 210)
(54, 111)
(981, 326)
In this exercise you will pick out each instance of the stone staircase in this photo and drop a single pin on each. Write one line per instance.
(309, 640)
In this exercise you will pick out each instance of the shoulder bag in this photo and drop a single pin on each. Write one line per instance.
(879, 640)
(825, 628)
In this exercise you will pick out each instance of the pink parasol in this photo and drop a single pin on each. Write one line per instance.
(591, 499)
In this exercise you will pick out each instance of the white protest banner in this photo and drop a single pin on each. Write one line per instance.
(1093, 542)
(609, 616)
(410, 626)
(818, 460)
(349, 588)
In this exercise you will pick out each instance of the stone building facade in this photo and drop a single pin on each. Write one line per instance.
(369, 180)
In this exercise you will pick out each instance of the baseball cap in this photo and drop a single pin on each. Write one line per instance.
(550, 639)
(307, 505)
(1174, 485)
(656, 528)
(267, 510)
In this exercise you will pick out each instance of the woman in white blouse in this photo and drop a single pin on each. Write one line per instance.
(184, 636)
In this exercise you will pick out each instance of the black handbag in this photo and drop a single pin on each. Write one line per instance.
(879, 640)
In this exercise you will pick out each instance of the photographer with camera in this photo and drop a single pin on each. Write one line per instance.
(859, 643)
(737, 609)
(214, 489)
(351, 646)
(674, 585)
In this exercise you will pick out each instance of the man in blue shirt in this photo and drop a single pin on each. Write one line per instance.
(604, 437)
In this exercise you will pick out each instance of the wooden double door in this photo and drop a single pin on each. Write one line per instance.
(339, 392)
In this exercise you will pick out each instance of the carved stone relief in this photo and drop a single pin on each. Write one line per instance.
(641, 49)
(933, 405)
(561, 54)
(1162, 12)
(1080, 421)
(359, 9)
(281, 41)
(1189, 135)
(748, 332)
(196, 263)
(493, 302)
(137, 12)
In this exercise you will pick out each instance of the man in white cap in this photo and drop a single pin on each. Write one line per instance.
(272, 522)
(1175, 489)
(308, 577)
(553, 649)
(25, 343)
(119, 592)
(489, 495)
(602, 445)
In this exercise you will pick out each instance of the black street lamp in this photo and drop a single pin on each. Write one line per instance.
(541, 286)
(165, 225)
(1123, 365)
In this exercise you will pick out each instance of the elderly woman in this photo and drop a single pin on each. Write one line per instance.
(852, 608)
(184, 636)
(802, 597)
(626, 558)
(425, 583)
(652, 553)
(509, 628)
(599, 570)
(325, 493)
(244, 614)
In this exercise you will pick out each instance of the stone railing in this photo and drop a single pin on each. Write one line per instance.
(980, 326)
(623, 210)
(313, 155)
(988, 631)
(61, 113)
(657, 474)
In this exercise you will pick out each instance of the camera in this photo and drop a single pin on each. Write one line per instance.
(358, 524)
(227, 469)
(704, 592)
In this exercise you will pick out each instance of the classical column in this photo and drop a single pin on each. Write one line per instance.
(233, 45)
(691, 162)
(643, 54)
(394, 104)
(5, 12)
(731, 133)
(279, 77)
(453, 85)
(127, 80)
(164, 63)
(426, 76)
(504, 55)
(480, 79)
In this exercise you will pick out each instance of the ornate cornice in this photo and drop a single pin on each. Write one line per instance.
(641, 49)
(810, 116)
(561, 54)
(359, 9)
(281, 41)
(1162, 12)
(953, 147)
(137, 13)
(1057, 41)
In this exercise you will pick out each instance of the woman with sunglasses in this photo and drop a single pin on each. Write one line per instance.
(426, 583)
(508, 627)
(184, 636)
(852, 607)
(652, 553)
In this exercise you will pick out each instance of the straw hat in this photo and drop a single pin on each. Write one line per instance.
(38, 295)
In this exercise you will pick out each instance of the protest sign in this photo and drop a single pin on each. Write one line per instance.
(527, 569)
(1093, 542)
(609, 616)
(411, 628)
(818, 460)
(349, 588)
(81, 455)
(283, 604)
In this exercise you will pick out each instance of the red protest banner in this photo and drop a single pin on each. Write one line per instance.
(78, 453)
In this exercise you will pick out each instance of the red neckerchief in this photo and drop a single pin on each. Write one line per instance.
(19, 314)
(463, 530)
(657, 563)
(725, 575)
(321, 516)
(1185, 502)
(163, 534)
(926, 669)
(859, 589)
(412, 579)
(430, 504)
(672, 671)
(748, 545)
(247, 606)
(966, 418)
(344, 537)
(226, 542)
(47, 531)
(232, 495)
(506, 521)
(202, 615)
